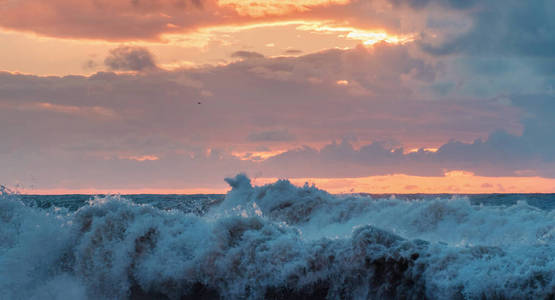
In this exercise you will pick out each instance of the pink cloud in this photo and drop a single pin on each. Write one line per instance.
(125, 20)
(119, 20)
(260, 104)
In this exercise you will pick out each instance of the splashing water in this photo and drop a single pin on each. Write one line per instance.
(276, 241)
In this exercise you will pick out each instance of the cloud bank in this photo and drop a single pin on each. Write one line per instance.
(474, 87)
(76, 131)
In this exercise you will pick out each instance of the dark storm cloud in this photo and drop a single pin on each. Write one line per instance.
(126, 58)
(522, 28)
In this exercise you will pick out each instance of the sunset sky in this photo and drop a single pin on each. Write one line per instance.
(379, 96)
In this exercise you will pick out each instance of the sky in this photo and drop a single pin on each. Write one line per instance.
(378, 96)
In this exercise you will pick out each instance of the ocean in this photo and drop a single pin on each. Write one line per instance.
(277, 241)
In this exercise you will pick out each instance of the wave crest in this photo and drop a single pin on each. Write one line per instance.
(277, 241)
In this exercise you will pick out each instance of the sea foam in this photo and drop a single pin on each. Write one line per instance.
(277, 241)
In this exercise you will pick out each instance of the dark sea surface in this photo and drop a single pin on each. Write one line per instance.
(277, 242)
(200, 203)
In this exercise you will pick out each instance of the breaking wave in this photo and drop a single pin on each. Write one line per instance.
(277, 241)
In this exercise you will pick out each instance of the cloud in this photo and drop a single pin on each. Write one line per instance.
(271, 136)
(86, 111)
(293, 51)
(260, 8)
(283, 103)
(139, 20)
(119, 20)
(501, 154)
(126, 58)
(141, 157)
(419, 4)
(521, 28)
(101, 19)
(246, 54)
(126, 20)
(297, 94)
(481, 93)
(90, 64)
(183, 4)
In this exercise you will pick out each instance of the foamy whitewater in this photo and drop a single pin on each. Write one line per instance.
(276, 242)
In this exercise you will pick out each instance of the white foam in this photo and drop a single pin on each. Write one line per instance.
(278, 239)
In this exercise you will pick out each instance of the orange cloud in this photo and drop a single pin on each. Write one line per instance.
(342, 82)
(258, 8)
(107, 20)
(257, 155)
(366, 36)
(123, 20)
(141, 157)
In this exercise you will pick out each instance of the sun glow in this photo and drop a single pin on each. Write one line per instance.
(141, 158)
(414, 150)
(342, 82)
(259, 8)
(223, 33)
(367, 37)
(257, 155)
(371, 38)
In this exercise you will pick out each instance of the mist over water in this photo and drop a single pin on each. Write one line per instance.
(277, 241)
